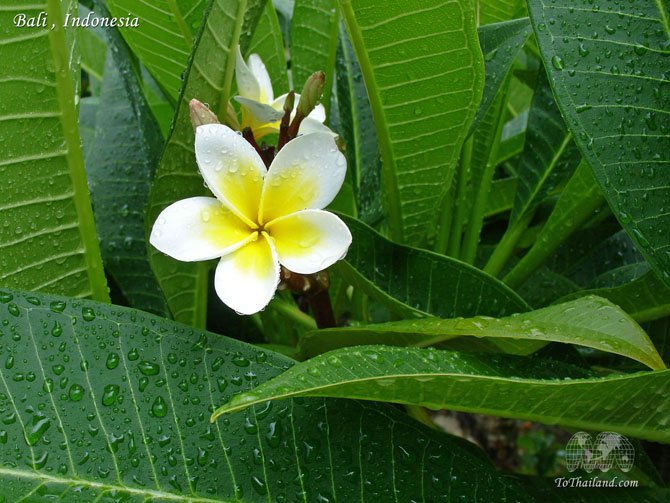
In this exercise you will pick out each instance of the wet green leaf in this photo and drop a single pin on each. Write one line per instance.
(589, 321)
(267, 42)
(415, 283)
(646, 298)
(104, 402)
(48, 237)
(358, 132)
(164, 41)
(577, 204)
(505, 386)
(609, 71)
(424, 87)
(122, 157)
(314, 35)
(500, 44)
(494, 11)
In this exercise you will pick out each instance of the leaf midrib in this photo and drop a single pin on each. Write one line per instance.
(74, 156)
(389, 175)
(433, 375)
(33, 475)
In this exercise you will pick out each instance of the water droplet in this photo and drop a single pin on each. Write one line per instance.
(57, 306)
(87, 313)
(57, 329)
(159, 407)
(76, 392)
(557, 62)
(112, 361)
(40, 425)
(109, 394)
(149, 368)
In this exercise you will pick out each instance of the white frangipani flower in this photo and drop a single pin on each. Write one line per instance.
(260, 110)
(260, 218)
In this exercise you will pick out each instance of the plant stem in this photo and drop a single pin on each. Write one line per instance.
(483, 188)
(284, 124)
(454, 246)
(506, 245)
(294, 314)
(444, 224)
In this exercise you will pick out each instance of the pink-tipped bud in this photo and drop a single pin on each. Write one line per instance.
(200, 114)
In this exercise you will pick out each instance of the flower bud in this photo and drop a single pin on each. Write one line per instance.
(311, 93)
(200, 114)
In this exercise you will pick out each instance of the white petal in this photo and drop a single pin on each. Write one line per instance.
(247, 85)
(309, 125)
(309, 241)
(232, 169)
(246, 279)
(198, 228)
(306, 174)
(318, 114)
(260, 112)
(255, 64)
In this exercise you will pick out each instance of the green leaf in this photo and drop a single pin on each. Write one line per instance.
(549, 156)
(164, 37)
(501, 196)
(314, 35)
(209, 79)
(93, 53)
(500, 42)
(424, 87)
(48, 240)
(494, 11)
(103, 402)
(645, 299)
(548, 159)
(357, 130)
(623, 128)
(578, 202)
(505, 386)
(589, 321)
(485, 141)
(268, 43)
(601, 255)
(414, 283)
(124, 152)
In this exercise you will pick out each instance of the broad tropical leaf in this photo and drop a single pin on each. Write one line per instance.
(506, 386)
(494, 11)
(48, 240)
(120, 164)
(415, 283)
(646, 298)
(209, 78)
(314, 36)
(101, 402)
(548, 160)
(168, 31)
(268, 43)
(500, 44)
(578, 202)
(357, 130)
(609, 71)
(589, 321)
(424, 88)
